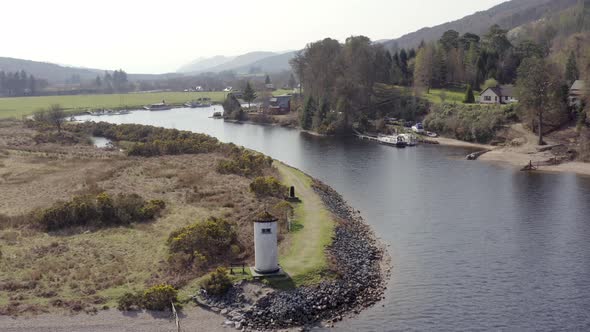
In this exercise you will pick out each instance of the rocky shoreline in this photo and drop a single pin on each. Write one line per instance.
(357, 260)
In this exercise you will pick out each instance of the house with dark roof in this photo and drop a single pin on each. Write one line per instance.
(280, 105)
(576, 93)
(502, 94)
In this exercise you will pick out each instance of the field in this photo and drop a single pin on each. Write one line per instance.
(438, 96)
(22, 106)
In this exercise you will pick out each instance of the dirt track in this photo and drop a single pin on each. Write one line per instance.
(192, 319)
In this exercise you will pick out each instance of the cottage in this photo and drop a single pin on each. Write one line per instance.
(502, 94)
(280, 104)
(576, 93)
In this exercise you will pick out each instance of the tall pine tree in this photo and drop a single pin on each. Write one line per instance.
(571, 69)
(249, 94)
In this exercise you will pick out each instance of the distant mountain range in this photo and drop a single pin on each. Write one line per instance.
(259, 61)
(508, 15)
(58, 74)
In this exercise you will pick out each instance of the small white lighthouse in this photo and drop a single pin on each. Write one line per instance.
(265, 244)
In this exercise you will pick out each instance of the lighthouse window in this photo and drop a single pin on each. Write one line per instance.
(266, 231)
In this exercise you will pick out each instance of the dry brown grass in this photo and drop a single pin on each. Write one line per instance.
(86, 270)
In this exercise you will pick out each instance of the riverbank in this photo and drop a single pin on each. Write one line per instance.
(358, 260)
(521, 150)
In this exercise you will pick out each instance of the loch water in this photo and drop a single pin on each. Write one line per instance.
(474, 246)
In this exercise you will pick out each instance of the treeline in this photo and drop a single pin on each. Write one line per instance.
(115, 82)
(338, 81)
(459, 60)
(19, 83)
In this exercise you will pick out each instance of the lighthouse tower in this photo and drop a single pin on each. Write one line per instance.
(265, 244)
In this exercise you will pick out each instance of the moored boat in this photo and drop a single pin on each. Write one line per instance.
(397, 140)
(158, 107)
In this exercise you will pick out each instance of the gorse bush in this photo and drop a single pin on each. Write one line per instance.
(99, 211)
(245, 163)
(152, 141)
(202, 242)
(218, 283)
(268, 186)
(472, 123)
(159, 297)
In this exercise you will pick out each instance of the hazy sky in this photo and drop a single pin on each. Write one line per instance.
(158, 36)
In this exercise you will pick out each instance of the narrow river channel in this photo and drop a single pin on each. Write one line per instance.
(474, 246)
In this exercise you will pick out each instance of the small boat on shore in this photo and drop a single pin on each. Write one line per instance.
(158, 107)
(217, 115)
(431, 134)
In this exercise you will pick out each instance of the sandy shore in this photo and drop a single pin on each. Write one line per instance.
(519, 156)
(191, 319)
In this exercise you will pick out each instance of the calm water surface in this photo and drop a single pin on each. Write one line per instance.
(474, 246)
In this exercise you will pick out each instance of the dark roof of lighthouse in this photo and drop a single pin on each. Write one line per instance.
(265, 217)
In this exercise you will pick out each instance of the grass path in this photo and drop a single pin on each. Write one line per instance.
(306, 260)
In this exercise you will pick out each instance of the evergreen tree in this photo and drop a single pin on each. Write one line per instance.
(571, 69)
(469, 97)
(267, 80)
(249, 94)
(292, 81)
(403, 65)
(321, 114)
(306, 116)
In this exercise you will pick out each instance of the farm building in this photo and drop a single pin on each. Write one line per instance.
(280, 105)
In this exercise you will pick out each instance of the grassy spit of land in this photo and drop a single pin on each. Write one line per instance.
(89, 269)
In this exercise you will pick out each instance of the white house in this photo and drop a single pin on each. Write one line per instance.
(502, 94)
(576, 93)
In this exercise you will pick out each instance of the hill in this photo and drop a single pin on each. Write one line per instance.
(59, 74)
(271, 64)
(261, 61)
(508, 15)
(202, 64)
(53, 73)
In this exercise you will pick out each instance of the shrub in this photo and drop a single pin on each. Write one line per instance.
(471, 123)
(159, 297)
(130, 301)
(218, 283)
(151, 141)
(245, 163)
(268, 186)
(203, 241)
(101, 210)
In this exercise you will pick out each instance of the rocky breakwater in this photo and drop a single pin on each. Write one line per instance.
(356, 258)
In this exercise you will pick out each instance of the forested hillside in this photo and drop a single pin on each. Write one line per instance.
(348, 84)
(507, 15)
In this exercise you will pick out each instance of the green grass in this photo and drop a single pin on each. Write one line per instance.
(438, 96)
(22, 106)
(306, 262)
